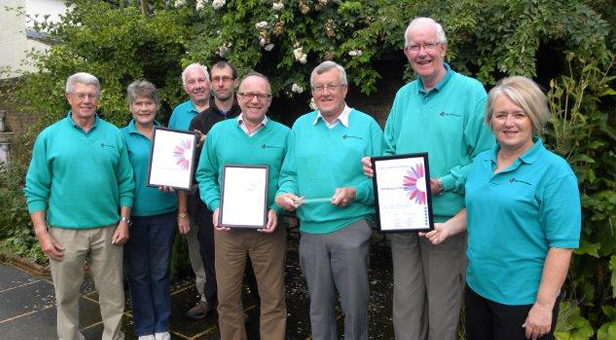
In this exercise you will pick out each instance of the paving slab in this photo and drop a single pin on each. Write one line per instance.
(32, 296)
(41, 324)
(12, 277)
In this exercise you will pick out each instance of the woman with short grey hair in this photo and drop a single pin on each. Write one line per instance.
(154, 214)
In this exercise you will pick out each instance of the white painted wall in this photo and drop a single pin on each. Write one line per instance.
(13, 40)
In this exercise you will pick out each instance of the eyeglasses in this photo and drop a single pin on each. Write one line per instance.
(82, 96)
(249, 95)
(223, 78)
(329, 87)
(426, 46)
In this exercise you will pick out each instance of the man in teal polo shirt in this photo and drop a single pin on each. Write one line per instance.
(195, 79)
(79, 179)
(441, 113)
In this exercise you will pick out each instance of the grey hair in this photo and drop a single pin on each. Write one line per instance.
(526, 94)
(83, 78)
(259, 75)
(142, 88)
(326, 66)
(197, 66)
(440, 34)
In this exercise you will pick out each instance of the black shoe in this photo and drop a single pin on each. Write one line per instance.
(199, 311)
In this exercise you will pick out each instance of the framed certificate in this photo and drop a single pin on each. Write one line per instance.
(172, 158)
(402, 193)
(243, 202)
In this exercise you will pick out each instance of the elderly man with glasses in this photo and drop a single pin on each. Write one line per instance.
(79, 190)
(322, 178)
(441, 113)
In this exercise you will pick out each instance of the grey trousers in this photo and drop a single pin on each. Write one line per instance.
(338, 260)
(428, 286)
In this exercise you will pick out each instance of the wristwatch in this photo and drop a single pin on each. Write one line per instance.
(440, 190)
(127, 220)
(183, 215)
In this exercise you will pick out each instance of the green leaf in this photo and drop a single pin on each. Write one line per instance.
(591, 249)
(607, 331)
(612, 267)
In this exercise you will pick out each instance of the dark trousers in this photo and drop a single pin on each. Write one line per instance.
(147, 254)
(489, 320)
(203, 218)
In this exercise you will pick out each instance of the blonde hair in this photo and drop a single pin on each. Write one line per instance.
(526, 94)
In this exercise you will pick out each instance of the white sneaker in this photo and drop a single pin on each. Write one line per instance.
(162, 336)
(147, 337)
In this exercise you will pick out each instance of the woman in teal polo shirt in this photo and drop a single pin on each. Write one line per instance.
(524, 219)
(154, 215)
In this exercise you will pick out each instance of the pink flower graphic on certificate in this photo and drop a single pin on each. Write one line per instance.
(179, 151)
(415, 184)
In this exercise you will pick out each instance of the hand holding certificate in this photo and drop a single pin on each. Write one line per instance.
(402, 193)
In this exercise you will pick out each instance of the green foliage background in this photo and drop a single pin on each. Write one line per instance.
(566, 45)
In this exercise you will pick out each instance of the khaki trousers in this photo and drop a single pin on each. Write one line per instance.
(105, 261)
(267, 253)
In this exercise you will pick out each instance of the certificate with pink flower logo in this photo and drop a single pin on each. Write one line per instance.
(402, 193)
(172, 159)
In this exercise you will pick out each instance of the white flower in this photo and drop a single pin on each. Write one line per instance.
(261, 25)
(303, 59)
(223, 50)
(268, 47)
(296, 88)
(312, 104)
(179, 3)
(298, 52)
(217, 4)
(263, 42)
(277, 6)
(354, 53)
(200, 4)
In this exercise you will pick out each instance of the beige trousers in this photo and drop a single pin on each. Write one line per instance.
(105, 261)
(267, 253)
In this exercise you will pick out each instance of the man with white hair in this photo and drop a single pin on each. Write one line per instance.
(196, 81)
(441, 113)
(79, 179)
(322, 178)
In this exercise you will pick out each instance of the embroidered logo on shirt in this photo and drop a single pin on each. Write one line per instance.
(513, 179)
(265, 146)
(349, 136)
(443, 114)
(108, 145)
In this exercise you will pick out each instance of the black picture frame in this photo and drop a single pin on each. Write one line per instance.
(243, 196)
(172, 159)
(398, 180)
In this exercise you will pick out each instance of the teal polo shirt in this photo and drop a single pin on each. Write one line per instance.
(514, 218)
(182, 115)
(147, 201)
(80, 179)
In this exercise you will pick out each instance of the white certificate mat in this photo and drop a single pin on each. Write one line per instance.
(402, 193)
(172, 159)
(243, 201)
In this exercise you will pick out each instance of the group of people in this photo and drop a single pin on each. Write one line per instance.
(506, 210)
